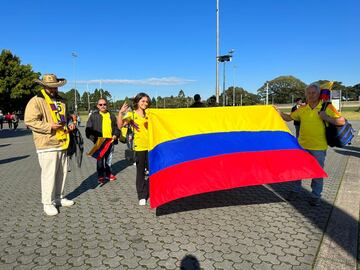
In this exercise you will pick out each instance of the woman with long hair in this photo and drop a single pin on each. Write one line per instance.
(138, 120)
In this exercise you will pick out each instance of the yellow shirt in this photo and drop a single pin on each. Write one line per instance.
(140, 126)
(106, 125)
(312, 128)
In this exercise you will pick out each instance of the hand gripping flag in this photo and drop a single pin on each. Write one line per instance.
(193, 151)
(100, 147)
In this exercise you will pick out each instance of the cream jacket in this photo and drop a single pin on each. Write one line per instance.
(38, 119)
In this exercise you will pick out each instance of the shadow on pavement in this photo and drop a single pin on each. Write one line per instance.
(8, 160)
(349, 151)
(320, 215)
(91, 182)
(4, 145)
(10, 133)
(120, 166)
(230, 197)
(317, 215)
(189, 262)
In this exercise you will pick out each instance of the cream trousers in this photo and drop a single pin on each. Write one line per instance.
(53, 174)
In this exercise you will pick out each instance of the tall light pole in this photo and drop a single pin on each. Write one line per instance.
(217, 91)
(267, 93)
(101, 94)
(234, 67)
(224, 59)
(88, 96)
(74, 55)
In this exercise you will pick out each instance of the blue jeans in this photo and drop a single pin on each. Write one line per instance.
(103, 166)
(316, 183)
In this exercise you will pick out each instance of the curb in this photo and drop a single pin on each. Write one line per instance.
(343, 226)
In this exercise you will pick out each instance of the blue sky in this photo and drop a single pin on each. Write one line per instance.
(162, 46)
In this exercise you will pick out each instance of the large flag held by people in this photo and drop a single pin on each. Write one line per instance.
(193, 151)
(100, 147)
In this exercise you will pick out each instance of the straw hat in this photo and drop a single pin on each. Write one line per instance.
(50, 80)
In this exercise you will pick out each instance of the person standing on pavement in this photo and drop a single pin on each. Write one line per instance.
(79, 120)
(45, 115)
(312, 135)
(139, 122)
(298, 103)
(8, 119)
(15, 120)
(1, 119)
(102, 124)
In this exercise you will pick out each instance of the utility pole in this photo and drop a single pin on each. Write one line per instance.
(74, 55)
(267, 94)
(234, 68)
(217, 91)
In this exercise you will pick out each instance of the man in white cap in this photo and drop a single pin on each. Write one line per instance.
(45, 115)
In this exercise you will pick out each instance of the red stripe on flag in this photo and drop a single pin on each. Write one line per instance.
(104, 148)
(231, 171)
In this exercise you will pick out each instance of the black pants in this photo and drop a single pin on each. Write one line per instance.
(142, 184)
(103, 165)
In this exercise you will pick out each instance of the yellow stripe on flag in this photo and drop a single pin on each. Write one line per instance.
(170, 124)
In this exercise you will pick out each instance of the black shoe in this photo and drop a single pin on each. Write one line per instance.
(314, 201)
(292, 196)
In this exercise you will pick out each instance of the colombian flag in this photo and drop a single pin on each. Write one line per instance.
(325, 90)
(100, 148)
(197, 150)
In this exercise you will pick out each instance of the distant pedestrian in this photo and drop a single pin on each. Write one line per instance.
(1, 119)
(298, 103)
(312, 135)
(15, 120)
(139, 123)
(197, 102)
(78, 120)
(102, 124)
(45, 115)
(8, 119)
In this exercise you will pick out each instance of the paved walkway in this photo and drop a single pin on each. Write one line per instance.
(244, 228)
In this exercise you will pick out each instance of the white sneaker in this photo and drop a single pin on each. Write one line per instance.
(50, 210)
(64, 202)
(142, 202)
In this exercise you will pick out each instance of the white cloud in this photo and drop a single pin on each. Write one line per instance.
(150, 81)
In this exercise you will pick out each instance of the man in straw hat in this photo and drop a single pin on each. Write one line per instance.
(45, 115)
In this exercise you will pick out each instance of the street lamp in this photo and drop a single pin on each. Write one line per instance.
(224, 59)
(74, 55)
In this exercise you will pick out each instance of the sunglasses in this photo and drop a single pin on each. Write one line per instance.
(104, 104)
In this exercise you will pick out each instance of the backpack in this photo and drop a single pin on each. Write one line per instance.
(338, 136)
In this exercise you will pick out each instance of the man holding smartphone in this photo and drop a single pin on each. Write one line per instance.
(45, 115)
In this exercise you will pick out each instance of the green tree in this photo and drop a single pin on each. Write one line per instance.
(181, 100)
(153, 102)
(70, 100)
(17, 84)
(283, 89)
(355, 92)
